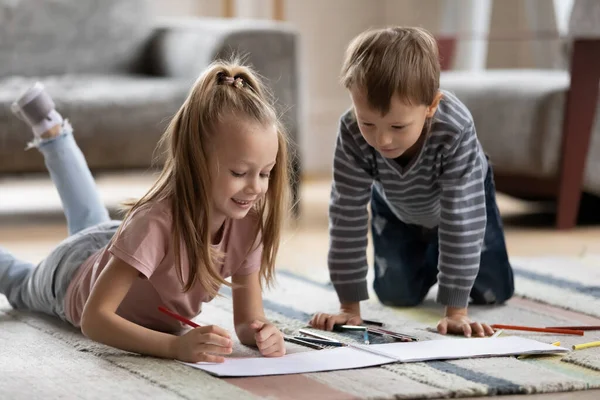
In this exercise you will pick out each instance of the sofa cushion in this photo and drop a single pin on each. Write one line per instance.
(518, 115)
(117, 120)
(72, 36)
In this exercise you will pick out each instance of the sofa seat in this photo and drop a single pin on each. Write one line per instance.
(519, 117)
(117, 120)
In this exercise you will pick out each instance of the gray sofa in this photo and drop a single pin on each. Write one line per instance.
(118, 74)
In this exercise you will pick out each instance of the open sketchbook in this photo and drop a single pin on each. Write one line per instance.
(365, 356)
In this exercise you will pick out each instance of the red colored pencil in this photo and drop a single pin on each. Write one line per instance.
(533, 329)
(178, 317)
(581, 328)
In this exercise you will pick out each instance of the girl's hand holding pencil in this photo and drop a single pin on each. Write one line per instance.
(204, 343)
(193, 346)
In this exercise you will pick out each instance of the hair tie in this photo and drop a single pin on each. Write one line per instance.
(236, 82)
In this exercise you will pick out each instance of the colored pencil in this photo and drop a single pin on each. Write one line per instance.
(498, 333)
(319, 341)
(396, 335)
(318, 336)
(581, 328)
(178, 317)
(586, 345)
(534, 329)
(371, 322)
(343, 328)
(354, 328)
(303, 343)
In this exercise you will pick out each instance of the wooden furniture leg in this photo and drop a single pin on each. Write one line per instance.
(580, 107)
(447, 47)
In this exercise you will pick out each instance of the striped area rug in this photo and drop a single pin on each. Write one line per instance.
(567, 282)
(572, 283)
(62, 363)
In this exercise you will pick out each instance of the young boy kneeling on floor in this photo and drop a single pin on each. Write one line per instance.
(410, 149)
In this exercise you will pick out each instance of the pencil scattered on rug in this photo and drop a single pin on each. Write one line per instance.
(60, 362)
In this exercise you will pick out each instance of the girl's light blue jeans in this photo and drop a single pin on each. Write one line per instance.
(43, 287)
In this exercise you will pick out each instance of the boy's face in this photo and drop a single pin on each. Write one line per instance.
(396, 132)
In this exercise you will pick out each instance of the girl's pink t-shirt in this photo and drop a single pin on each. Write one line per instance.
(144, 242)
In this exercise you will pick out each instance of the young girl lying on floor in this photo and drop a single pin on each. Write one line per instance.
(214, 212)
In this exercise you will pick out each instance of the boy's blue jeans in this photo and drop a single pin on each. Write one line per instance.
(411, 257)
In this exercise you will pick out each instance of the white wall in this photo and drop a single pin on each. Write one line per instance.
(326, 28)
(208, 8)
(423, 13)
(252, 8)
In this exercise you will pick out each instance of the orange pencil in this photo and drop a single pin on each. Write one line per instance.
(580, 328)
(533, 329)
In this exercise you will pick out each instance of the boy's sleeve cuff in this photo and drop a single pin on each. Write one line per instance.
(352, 292)
(452, 297)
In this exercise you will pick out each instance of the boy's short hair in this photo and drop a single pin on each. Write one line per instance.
(395, 60)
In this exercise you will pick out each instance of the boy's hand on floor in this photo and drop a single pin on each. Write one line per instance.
(458, 322)
(349, 315)
(269, 339)
(326, 321)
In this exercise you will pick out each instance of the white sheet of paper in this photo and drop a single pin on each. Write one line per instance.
(454, 349)
(297, 363)
(349, 358)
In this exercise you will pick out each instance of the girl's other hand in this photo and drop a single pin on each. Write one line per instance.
(269, 339)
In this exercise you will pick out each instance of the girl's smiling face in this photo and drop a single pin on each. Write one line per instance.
(244, 155)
